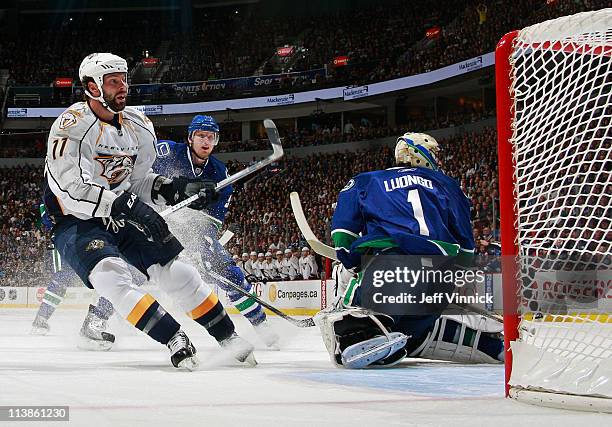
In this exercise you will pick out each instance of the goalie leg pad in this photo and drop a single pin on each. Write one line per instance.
(463, 339)
(359, 336)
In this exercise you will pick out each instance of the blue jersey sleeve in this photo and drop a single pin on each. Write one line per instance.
(220, 207)
(348, 222)
(461, 225)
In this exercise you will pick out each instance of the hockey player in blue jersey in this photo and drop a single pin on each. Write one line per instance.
(193, 162)
(411, 209)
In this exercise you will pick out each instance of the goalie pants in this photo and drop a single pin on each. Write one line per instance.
(419, 327)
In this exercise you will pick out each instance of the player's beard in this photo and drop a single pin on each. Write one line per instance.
(114, 104)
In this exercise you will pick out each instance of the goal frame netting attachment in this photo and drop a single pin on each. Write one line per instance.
(554, 376)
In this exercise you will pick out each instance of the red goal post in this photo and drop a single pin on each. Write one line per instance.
(554, 113)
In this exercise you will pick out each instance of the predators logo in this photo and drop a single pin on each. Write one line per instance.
(95, 245)
(67, 119)
(116, 168)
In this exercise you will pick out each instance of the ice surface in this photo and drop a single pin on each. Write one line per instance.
(135, 385)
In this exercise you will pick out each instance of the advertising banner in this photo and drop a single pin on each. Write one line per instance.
(62, 82)
(341, 61)
(355, 92)
(278, 100)
(284, 51)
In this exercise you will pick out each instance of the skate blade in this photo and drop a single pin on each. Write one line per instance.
(274, 346)
(360, 355)
(250, 360)
(39, 331)
(191, 363)
(88, 344)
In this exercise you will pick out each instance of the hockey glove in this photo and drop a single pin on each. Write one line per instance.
(130, 205)
(178, 189)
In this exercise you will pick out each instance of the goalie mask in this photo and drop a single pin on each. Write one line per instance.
(418, 150)
(95, 67)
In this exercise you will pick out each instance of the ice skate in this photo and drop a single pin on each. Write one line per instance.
(40, 326)
(93, 335)
(267, 335)
(182, 352)
(240, 348)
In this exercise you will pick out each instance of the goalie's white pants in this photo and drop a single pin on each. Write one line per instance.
(111, 278)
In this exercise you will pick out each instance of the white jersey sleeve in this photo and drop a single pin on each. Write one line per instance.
(314, 268)
(142, 176)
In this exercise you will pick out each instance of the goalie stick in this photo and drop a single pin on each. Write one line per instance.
(277, 153)
(300, 323)
(320, 248)
(226, 237)
(329, 252)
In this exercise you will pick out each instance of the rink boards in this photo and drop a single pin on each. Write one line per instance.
(298, 297)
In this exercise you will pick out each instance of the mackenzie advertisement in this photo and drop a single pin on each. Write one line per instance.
(281, 99)
(471, 64)
(355, 92)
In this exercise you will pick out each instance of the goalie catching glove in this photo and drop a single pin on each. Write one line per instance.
(176, 190)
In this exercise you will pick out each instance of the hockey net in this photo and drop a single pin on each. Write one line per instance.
(554, 90)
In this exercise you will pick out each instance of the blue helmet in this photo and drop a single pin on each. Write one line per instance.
(206, 123)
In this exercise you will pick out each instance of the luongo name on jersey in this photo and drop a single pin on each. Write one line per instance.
(89, 161)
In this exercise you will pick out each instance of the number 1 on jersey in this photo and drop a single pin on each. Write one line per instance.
(417, 209)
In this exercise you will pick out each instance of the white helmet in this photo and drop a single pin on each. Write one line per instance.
(96, 66)
(417, 150)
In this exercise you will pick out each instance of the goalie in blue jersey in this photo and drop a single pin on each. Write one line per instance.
(410, 209)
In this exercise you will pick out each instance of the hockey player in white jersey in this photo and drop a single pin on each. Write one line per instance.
(98, 183)
(258, 266)
(269, 268)
(290, 265)
(278, 264)
(249, 268)
(308, 265)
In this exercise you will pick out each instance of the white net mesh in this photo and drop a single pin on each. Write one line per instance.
(561, 74)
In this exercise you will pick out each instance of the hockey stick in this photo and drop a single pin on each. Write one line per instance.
(320, 248)
(300, 323)
(277, 153)
(226, 237)
(329, 252)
